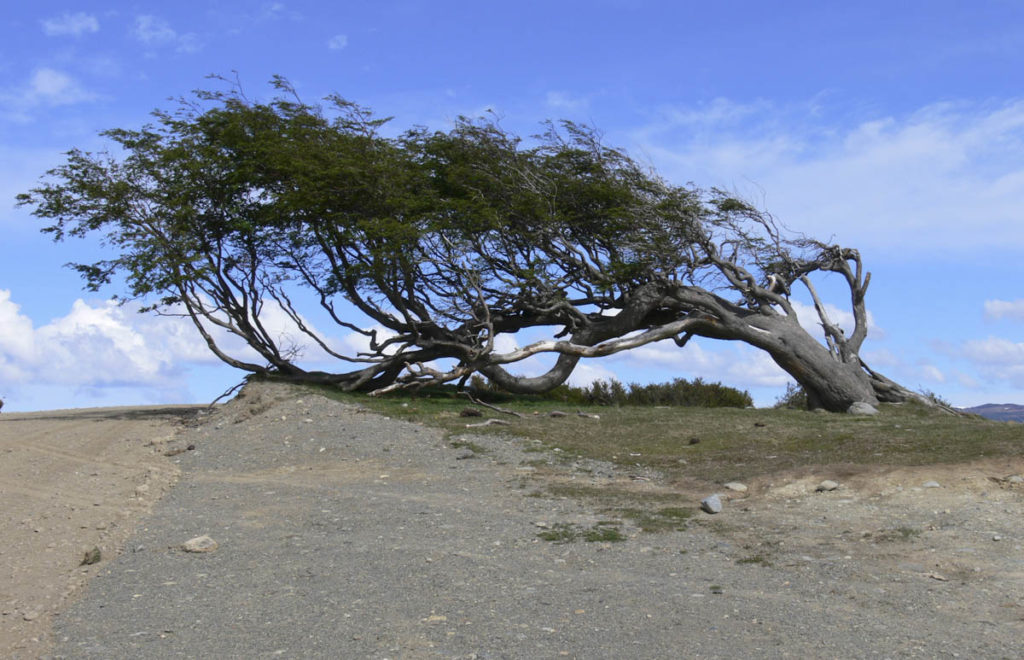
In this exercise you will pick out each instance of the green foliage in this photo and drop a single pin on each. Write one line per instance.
(680, 392)
(794, 397)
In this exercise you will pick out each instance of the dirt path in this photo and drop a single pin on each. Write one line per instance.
(345, 534)
(71, 481)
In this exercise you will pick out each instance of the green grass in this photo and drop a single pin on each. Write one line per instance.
(732, 443)
(606, 531)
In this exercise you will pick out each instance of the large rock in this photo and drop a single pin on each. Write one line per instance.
(861, 408)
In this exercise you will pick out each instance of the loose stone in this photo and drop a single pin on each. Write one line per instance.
(931, 484)
(200, 544)
(712, 504)
(736, 486)
(826, 486)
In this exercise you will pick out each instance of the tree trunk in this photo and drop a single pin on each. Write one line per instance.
(829, 382)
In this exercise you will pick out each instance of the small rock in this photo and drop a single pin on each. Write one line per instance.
(861, 408)
(464, 453)
(826, 486)
(200, 544)
(1015, 479)
(931, 484)
(996, 537)
(30, 616)
(736, 486)
(712, 504)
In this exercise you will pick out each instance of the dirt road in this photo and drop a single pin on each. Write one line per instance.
(71, 481)
(345, 534)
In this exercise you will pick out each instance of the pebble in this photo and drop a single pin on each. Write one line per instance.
(826, 486)
(30, 616)
(736, 486)
(1015, 479)
(712, 504)
(199, 544)
(931, 484)
(464, 453)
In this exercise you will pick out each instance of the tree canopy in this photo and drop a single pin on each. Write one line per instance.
(446, 240)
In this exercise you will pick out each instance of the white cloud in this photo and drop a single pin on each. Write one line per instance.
(735, 365)
(588, 371)
(811, 322)
(53, 87)
(932, 373)
(994, 350)
(108, 344)
(997, 359)
(946, 176)
(337, 42)
(47, 87)
(1004, 309)
(155, 32)
(71, 24)
(566, 102)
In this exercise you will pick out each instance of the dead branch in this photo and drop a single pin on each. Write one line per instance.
(490, 422)
(487, 405)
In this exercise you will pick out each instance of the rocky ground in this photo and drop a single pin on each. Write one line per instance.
(334, 532)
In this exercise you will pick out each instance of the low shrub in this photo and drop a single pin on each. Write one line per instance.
(680, 392)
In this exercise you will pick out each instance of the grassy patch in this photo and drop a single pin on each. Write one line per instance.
(465, 444)
(897, 534)
(731, 443)
(602, 532)
(667, 519)
(754, 559)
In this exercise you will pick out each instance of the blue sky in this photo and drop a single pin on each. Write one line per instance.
(893, 127)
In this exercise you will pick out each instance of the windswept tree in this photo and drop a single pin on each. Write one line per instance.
(447, 240)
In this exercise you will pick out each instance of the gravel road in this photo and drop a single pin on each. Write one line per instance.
(344, 534)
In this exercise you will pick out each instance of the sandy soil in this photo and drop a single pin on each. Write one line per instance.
(72, 481)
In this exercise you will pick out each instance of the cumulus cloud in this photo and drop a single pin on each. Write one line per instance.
(155, 32)
(337, 42)
(915, 181)
(71, 24)
(90, 345)
(100, 344)
(1004, 309)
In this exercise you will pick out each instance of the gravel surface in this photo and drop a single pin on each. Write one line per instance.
(343, 534)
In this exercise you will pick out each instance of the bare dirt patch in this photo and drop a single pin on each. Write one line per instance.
(72, 482)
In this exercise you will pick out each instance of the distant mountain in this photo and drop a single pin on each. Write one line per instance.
(1001, 412)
